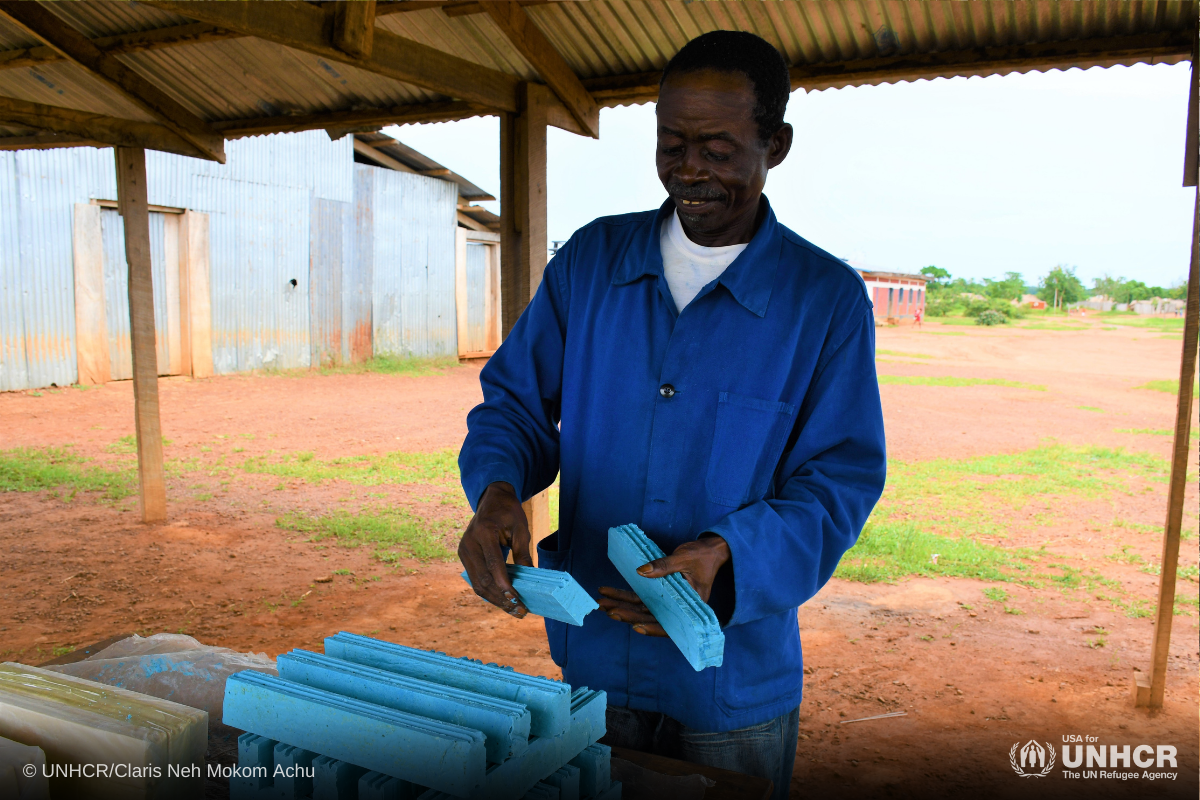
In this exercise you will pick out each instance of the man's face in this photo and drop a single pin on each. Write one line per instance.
(710, 158)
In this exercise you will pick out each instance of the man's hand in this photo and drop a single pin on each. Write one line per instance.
(697, 561)
(499, 522)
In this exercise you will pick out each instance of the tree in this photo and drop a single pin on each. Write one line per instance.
(1060, 286)
(1011, 288)
(1109, 287)
(937, 276)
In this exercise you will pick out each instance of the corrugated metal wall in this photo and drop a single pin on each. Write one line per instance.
(14, 373)
(326, 260)
(116, 292)
(413, 264)
(477, 264)
(259, 205)
(313, 258)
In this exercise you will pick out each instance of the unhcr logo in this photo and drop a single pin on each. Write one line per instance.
(1036, 761)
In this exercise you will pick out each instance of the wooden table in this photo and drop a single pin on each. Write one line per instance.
(729, 785)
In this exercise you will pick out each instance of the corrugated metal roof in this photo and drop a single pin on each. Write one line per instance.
(616, 46)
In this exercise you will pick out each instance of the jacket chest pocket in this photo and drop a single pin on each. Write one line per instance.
(749, 436)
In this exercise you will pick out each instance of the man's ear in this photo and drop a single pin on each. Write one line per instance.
(779, 146)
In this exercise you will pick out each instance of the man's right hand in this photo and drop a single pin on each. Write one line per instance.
(499, 522)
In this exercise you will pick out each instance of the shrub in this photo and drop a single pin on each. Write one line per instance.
(990, 317)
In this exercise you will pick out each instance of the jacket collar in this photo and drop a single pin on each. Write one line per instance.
(749, 278)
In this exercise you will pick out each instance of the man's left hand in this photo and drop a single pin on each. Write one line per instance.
(697, 561)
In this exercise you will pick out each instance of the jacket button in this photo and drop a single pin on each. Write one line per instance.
(666, 390)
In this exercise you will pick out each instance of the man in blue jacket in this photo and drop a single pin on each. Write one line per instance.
(707, 374)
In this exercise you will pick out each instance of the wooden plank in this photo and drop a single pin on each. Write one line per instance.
(343, 122)
(523, 240)
(306, 27)
(354, 27)
(1177, 487)
(382, 159)
(174, 295)
(729, 785)
(136, 42)
(46, 141)
(39, 21)
(529, 40)
(537, 512)
(91, 327)
(131, 193)
(461, 311)
(195, 300)
(472, 223)
(1191, 152)
(95, 129)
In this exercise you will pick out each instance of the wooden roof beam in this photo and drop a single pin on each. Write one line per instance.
(306, 27)
(141, 41)
(344, 122)
(37, 20)
(354, 27)
(529, 40)
(95, 129)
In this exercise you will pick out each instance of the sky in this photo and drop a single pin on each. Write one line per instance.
(979, 176)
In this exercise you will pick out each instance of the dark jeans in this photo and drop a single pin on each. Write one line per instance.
(766, 750)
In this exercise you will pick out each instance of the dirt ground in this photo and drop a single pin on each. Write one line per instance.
(972, 682)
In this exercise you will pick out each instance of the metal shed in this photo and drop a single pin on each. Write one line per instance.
(290, 254)
(183, 76)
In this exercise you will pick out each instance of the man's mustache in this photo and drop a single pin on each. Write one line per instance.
(700, 191)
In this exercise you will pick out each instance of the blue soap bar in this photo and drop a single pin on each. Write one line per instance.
(335, 780)
(687, 619)
(566, 780)
(594, 769)
(406, 746)
(549, 702)
(503, 722)
(550, 593)
(512, 779)
(377, 786)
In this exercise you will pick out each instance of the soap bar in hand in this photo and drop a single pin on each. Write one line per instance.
(688, 620)
(550, 593)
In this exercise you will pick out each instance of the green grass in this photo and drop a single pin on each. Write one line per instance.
(34, 469)
(902, 353)
(390, 468)
(919, 380)
(1091, 408)
(1171, 387)
(393, 533)
(127, 445)
(1052, 326)
(395, 365)
(890, 549)
(957, 498)
(1136, 321)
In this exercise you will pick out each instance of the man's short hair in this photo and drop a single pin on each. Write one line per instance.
(754, 57)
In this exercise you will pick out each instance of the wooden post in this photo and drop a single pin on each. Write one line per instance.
(1152, 695)
(523, 241)
(91, 324)
(537, 512)
(1178, 484)
(522, 201)
(131, 199)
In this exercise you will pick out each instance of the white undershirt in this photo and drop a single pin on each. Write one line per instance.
(687, 266)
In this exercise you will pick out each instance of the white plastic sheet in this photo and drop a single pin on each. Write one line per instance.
(171, 666)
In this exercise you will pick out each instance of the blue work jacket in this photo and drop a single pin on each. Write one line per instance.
(753, 414)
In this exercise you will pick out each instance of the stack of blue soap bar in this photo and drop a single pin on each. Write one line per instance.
(550, 593)
(371, 720)
(688, 620)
